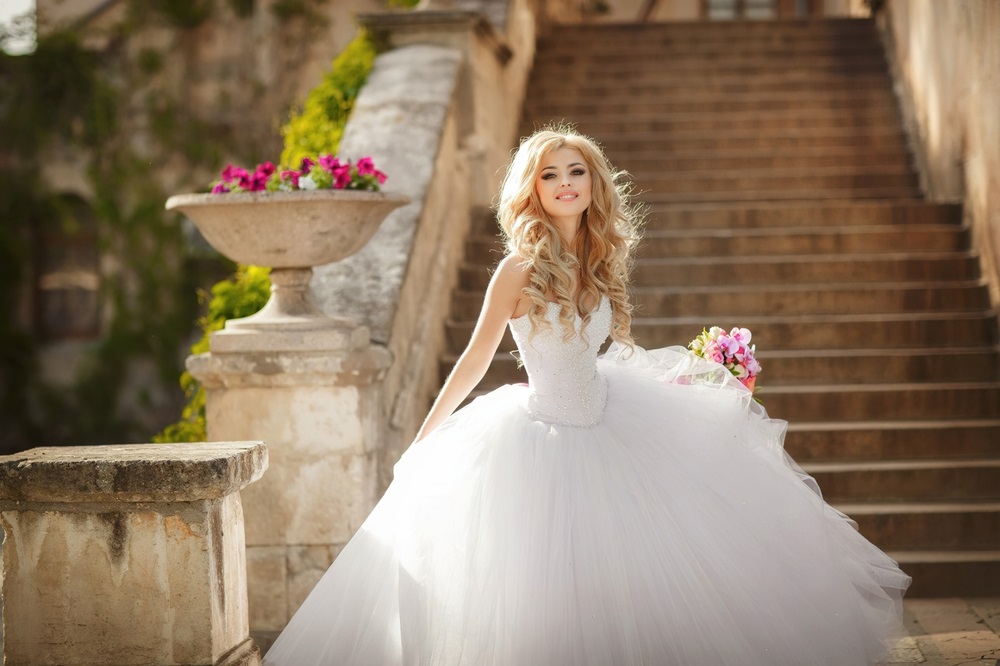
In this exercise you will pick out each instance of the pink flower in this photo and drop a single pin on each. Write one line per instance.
(342, 176)
(220, 188)
(329, 162)
(291, 176)
(307, 164)
(265, 169)
(380, 176)
(366, 167)
(232, 173)
(743, 335)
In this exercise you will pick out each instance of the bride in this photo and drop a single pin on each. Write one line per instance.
(635, 507)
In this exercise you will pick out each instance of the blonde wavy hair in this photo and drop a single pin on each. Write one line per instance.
(605, 242)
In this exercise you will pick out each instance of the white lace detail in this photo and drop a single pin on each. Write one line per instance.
(565, 386)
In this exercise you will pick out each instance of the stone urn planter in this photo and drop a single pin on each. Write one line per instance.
(290, 232)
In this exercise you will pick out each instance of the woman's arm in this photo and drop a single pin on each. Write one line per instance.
(502, 296)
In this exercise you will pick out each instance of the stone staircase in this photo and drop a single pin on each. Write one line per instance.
(782, 198)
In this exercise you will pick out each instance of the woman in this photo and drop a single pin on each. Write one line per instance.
(636, 508)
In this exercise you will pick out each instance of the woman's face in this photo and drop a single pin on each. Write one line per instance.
(564, 185)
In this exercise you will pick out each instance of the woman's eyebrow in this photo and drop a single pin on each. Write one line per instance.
(572, 165)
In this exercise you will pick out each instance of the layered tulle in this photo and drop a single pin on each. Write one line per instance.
(674, 532)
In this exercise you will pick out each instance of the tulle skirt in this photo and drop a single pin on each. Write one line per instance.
(676, 532)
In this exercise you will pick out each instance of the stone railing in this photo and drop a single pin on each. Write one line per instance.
(127, 554)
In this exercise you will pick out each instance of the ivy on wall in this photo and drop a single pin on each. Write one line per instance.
(74, 103)
(72, 100)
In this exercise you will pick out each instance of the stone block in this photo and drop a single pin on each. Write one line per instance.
(126, 554)
(267, 587)
(306, 565)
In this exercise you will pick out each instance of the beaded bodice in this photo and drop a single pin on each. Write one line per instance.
(564, 385)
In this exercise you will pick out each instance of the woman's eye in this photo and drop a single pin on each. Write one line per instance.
(548, 176)
(578, 172)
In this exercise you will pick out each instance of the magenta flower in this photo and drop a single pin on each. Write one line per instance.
(232, 173)
(333, 174)
(342, 176)
(366, 167)
(329, 162)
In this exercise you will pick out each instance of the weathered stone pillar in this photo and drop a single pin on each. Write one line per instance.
(127, 554)
(315, 398)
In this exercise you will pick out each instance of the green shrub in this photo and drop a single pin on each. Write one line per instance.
(319, 125)
(243, 295)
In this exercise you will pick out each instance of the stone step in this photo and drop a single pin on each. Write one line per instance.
(551, 60)
(907, 480)
(950, 573)
(828, 178)
(812, 298)
(575, 91)
(902, 331)
(721, 215)
(624, 146)
(584, 73)
(784, 214)
(857, 366)
(824, 366)
(929, 525)
(802, 298)
(608, 47)
(743, 121)
(775, 270)
(661, 244)
(883, 402)
(893, 440)
(803, 240)
(667, 104)
(716, 35)
(641, 169)
(821, 196)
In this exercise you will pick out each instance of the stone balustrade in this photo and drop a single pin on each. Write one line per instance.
(127, 554)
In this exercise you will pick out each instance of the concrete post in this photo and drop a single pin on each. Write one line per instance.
(316, 399)
(127, 554)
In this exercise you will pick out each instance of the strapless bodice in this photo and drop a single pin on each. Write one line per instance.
(564, 384)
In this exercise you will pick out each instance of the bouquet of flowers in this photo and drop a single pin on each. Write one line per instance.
(325, 172)
(732, 349)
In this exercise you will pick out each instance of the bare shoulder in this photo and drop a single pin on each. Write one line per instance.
(512, 273)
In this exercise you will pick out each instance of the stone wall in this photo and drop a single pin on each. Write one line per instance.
(946, 61)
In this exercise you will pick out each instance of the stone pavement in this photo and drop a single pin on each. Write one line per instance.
(950, 632)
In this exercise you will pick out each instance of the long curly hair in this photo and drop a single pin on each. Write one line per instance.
(605, 242)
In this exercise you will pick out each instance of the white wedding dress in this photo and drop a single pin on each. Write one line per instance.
(636, 508)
